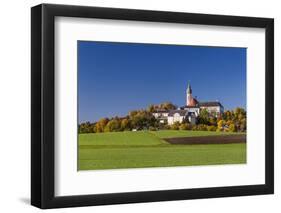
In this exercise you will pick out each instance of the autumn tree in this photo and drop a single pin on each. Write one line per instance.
(151, 108)
(168, 106)
(113, 125)
(175, 126)
(125, 124)
(85, 127)
(232, 128)
(184, 126)
(142, 119)
(100, 125)
(221, 124)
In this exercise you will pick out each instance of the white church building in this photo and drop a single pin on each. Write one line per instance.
(190, 111)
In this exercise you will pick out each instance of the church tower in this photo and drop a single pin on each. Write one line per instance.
(190, 101)
(188, 95)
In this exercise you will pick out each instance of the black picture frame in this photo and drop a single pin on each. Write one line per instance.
(43, 102)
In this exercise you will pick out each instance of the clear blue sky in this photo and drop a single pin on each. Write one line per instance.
(115, 78)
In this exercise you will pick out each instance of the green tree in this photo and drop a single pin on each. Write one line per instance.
(85, 127)
(203, 117)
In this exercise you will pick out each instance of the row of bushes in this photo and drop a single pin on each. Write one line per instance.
(230, 121)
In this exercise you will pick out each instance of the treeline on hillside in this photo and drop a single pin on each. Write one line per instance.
(230, 121)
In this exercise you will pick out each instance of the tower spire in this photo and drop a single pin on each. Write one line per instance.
(190, 101)
(189, 90)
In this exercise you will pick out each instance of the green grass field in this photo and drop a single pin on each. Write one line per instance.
(148, 149)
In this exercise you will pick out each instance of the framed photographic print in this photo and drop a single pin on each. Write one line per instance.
(139, 106)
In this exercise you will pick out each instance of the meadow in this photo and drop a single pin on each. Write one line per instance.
(142, 149)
